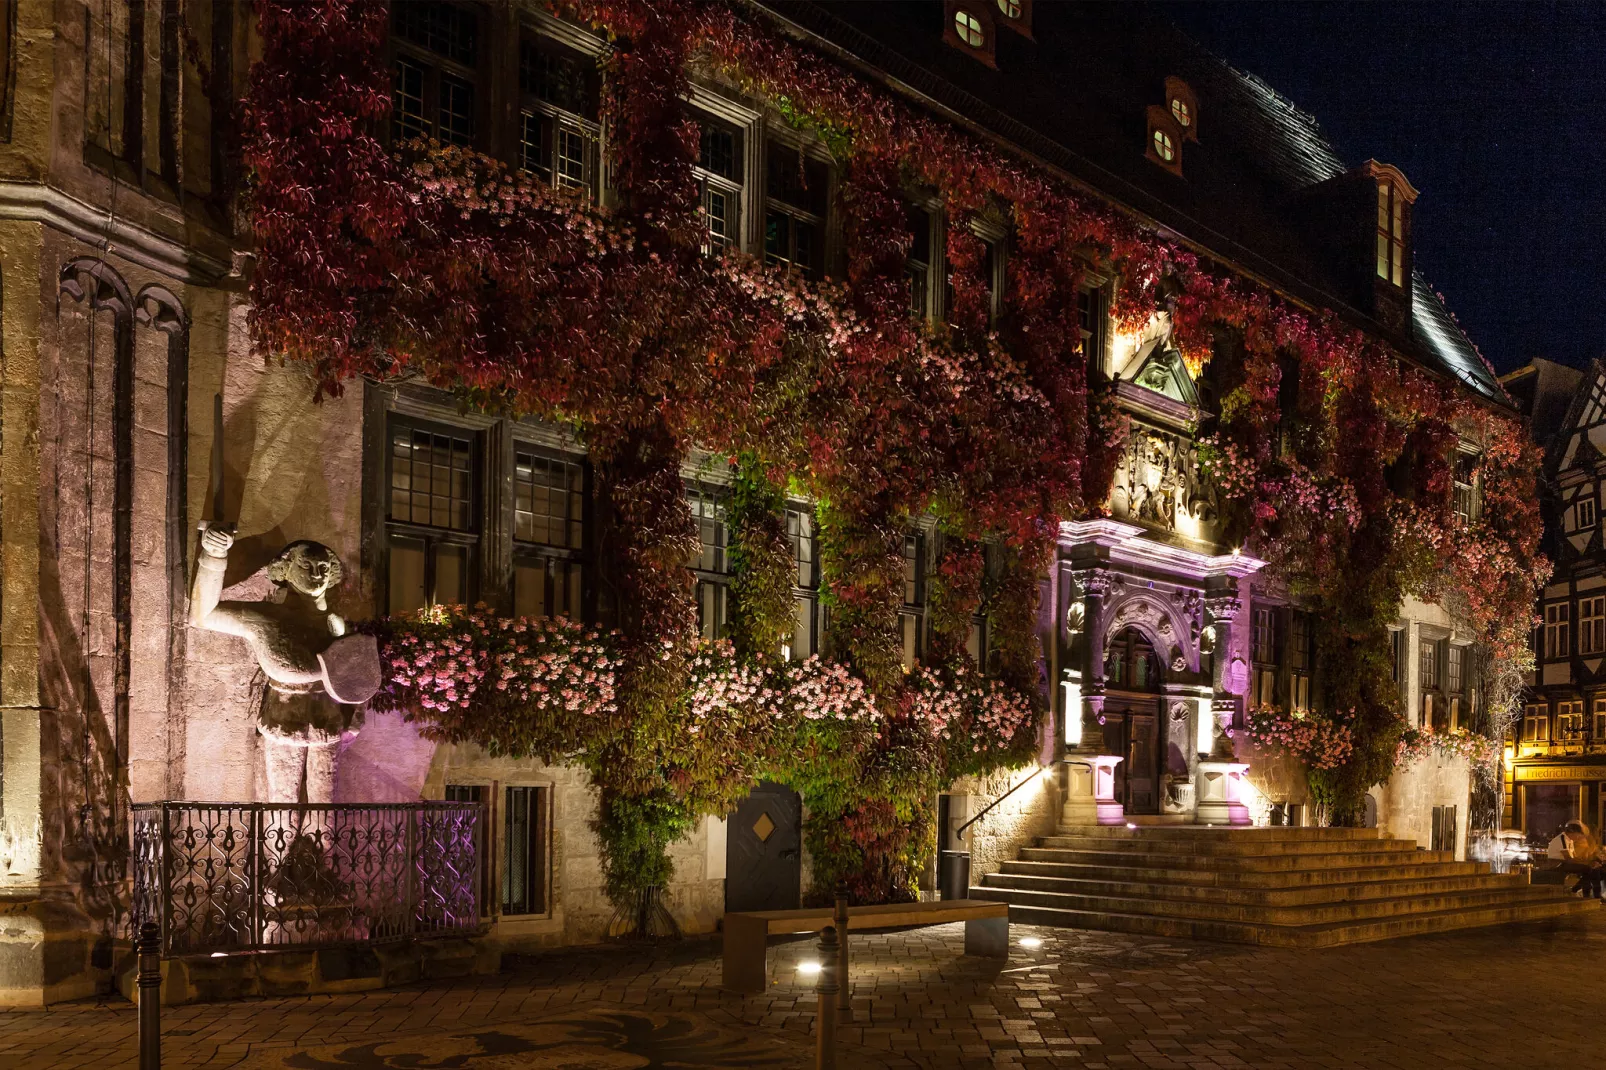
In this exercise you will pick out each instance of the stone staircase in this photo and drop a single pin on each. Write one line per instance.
(1284, 887)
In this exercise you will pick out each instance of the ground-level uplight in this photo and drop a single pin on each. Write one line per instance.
(1031, 941)
(808, 968)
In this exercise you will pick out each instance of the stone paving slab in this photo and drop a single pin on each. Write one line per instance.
(1531, 996)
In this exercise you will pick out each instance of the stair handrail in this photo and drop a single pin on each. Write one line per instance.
(959, 832)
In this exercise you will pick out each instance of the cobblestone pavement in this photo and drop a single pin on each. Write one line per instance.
(1522, 996)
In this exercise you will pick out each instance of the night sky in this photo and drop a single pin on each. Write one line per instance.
(1496, 113)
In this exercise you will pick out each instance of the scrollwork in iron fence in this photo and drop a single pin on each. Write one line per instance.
(233, 877)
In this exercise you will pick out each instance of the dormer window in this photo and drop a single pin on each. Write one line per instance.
(1010, 9)
(1390, 233)
(1183, 106)
(1164, 147)
(1164, 144)
(970, 29)
(1017, 15)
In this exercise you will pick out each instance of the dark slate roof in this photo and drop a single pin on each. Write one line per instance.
(1076, 97)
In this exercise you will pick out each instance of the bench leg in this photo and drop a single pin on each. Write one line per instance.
(988, 937)
(744, 953)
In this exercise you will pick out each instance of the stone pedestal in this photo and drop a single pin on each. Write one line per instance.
(1221, 787)
(1090, 790)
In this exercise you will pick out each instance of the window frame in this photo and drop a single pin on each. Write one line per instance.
(550, 555)
(1392, 221)
(1598, 729)
(1592, 624)
(777, 144)
(1557, 619)
(1580, 523)
(528, 104)
(711, 582)
(1265, 655)
(434, 68)
(538, 868)
(912, 617)
(1569, 722)
(433, 537)
(1301, 658)
(1467, 492)
(805, 581)
(1536, 723)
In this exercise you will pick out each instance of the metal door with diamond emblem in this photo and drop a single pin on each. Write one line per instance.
(764, 850)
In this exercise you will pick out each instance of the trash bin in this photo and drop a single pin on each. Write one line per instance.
(953, 874)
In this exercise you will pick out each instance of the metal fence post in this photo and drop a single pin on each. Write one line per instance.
(254, 863)
(844, 997)
(148, 946)
(164, 904)
(826, 990)
(410, 855)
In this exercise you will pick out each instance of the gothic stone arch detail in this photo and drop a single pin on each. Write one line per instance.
(1164, 626)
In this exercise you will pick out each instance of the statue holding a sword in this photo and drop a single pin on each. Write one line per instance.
(318, 677)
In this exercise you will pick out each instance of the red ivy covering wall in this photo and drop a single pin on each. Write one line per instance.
(419, 260)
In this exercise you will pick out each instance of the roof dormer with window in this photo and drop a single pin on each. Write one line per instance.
(1391, 261)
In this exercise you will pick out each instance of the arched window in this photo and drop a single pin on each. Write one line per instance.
(1130, 663)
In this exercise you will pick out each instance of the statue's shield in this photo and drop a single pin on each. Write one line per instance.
(351, 669)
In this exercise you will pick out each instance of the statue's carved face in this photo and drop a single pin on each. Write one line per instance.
(308, 567)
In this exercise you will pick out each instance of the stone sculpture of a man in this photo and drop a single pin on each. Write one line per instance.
(318, 677)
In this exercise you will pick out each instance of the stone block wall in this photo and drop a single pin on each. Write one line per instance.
(1034, 810)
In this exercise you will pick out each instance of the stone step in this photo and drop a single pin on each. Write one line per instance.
(1256, 862)
(1246, 847)
(1219, 833)
(1163, 872)
(1329, 934)
(1220, 893)
(1298, 915)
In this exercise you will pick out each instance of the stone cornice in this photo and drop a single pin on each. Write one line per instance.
(40, 203)
(1128, 544)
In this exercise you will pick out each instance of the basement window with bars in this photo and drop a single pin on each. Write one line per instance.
(478, 793)
(526, 861)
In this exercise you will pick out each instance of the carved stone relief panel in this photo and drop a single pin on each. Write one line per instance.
(1157, 480)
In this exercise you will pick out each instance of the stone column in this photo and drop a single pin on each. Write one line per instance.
(1089, 774)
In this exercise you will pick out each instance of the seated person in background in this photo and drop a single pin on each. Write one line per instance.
(1579, 852)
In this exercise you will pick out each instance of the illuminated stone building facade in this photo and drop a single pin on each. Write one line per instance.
(125, 264)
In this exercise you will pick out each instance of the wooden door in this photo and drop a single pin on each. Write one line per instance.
(764, 850)
(1132, 730)
(1143, 760)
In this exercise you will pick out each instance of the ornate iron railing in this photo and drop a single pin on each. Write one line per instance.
(237, 877)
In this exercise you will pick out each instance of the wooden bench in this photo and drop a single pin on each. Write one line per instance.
(747, 934)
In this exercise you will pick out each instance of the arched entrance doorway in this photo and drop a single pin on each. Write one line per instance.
(1132, 719)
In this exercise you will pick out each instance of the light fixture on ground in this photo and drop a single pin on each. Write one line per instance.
(1031, 942)
(808, 969)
